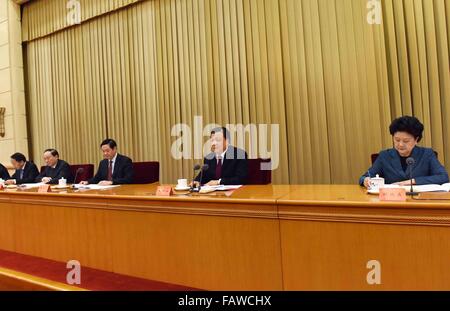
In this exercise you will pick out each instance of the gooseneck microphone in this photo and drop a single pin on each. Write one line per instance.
(410, 163)
(196, 168)
(204, 168)
(78, 172)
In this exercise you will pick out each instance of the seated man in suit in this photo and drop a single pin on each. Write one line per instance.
(227, 165)
(26, 172)
(55, 169)
(114, 169)
(391, 164)
(4, 174)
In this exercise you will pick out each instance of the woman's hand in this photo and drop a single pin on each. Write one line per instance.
(405, 182)
(367, 182)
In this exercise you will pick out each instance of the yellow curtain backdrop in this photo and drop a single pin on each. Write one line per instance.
(330, 80)
(91, 82)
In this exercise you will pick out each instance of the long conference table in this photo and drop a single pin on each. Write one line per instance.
(271, 237)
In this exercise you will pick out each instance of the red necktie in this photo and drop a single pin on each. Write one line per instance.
(110, 171)
(219, 168)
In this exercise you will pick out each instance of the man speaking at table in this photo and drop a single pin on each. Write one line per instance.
(227, 165)
(114, 169)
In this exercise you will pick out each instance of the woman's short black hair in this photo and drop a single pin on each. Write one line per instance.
(408, 124)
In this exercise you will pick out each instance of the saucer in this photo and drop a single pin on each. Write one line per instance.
(61, 187)
(182, 188)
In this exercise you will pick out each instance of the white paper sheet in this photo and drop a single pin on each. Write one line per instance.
(417, 188)
(94, 187)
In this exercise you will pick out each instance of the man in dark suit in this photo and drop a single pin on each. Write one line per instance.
(55, 169)
(4, 174)
(26, 172)
(114, 169)
(227, 165)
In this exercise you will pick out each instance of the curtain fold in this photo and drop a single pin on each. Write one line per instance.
(43, 17)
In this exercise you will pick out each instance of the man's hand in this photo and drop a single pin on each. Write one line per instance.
(10, 182)
(194, 184)
(213, 183)
(84, 182)
(46, 180)
(105, 183)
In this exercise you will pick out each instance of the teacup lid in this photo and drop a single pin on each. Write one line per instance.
(377, 177)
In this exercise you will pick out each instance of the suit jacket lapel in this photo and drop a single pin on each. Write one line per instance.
(57, 167)
(116, 166)
(396, 164)
(229, 155)
(212, 169)
(25, 170)
(417, 156)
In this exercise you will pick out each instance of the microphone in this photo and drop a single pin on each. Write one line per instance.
(203, 168)
(196, 168)
(410, 162)
(79, 171)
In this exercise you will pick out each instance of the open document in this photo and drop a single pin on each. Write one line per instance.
(417, 188)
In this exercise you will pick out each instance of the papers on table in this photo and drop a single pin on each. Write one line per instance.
(94, 187)
(77, 186)
(226, 188)
(417, 188)
(206, 189)
(430, 188)
(30, 186)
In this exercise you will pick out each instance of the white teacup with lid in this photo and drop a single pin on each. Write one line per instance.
(376, 182)
(62, 182)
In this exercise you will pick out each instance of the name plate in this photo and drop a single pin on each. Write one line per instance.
(164, 191)
(393, 194)
(44, 188)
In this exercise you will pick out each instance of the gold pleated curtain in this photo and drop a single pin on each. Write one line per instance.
(331, 81)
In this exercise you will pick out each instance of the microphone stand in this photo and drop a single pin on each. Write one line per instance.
(411, 190)
(79, 171)
(201, 179)
(203, 168)
(196, 168)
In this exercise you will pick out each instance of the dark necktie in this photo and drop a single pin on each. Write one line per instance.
(110, 172)
(219, 168)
